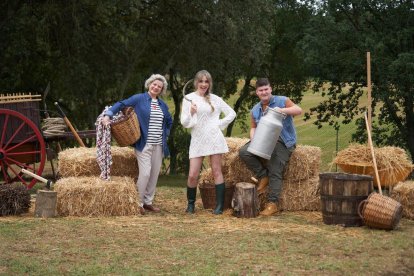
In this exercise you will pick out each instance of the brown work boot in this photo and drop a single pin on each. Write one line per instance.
(261, 186)
(151, 208)
(141, 210)
(270, 209)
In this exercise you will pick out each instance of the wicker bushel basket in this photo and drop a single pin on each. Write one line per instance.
(126, 131)
(380, 212)
(208, 196)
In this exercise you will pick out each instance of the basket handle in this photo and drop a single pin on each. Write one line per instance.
(361, 205)
(128, 110)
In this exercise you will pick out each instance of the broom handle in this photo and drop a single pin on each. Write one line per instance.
(373, 154)
(69, 124)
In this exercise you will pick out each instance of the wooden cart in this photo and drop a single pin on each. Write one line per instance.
(22, 144)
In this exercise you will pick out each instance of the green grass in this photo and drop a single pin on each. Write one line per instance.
(174, 243)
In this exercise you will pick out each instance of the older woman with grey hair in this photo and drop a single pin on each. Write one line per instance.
(155, 125)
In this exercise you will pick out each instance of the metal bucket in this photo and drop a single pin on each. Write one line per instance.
(267, 133)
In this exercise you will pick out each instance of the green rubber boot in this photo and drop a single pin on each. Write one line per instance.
(191, 198)
(220, 191)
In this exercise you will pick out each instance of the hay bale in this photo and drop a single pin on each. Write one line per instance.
(237, 170)
(14, 199)
(393, 163)
(303, 195)
(92, 196)
(303, 164)
(235, 143)
(81, 161)
(403, 192)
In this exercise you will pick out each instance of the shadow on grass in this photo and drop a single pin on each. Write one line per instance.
(175, 181)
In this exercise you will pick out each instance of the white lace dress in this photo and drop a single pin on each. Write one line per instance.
(206, 126)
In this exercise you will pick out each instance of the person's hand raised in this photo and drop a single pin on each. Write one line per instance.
(193, 109)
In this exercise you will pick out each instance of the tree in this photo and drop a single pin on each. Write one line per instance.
(335, 47)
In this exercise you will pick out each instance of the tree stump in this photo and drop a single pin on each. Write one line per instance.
(45, 204)
(245, 200)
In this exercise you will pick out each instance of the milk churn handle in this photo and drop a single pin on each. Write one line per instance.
(274, 109)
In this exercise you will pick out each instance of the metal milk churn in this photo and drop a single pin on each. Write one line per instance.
(267, 133)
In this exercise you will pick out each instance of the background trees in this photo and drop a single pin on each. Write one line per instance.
(335, 47)
(95, 53)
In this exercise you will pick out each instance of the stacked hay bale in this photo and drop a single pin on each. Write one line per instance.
(301, 178)
(92, 196)
(14, 199)
(403, 192)
(392, 162)
(82, 162)
(81, 192)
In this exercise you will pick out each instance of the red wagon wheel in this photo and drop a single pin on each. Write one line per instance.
(21, 146)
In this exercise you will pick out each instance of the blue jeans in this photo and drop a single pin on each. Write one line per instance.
(273, 168)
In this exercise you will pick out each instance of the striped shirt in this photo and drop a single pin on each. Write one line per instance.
(155, 124)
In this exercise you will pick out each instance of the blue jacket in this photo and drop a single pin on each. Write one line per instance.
(288, 134)
(142, 106)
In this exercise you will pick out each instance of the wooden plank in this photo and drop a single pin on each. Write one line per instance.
(19, 97)
(20, 101)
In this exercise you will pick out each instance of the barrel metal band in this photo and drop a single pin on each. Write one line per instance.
(350, 198)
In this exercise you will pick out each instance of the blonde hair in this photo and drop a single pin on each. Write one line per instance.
(157, 77)
(198, 77)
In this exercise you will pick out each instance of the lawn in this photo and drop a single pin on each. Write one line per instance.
(175, 243)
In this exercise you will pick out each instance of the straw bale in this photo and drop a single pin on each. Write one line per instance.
(303, 164)
(235, 143)
(82, 162)
(393, 163)
(237, 170)
(403, 192)
(92, 196)
(301, 195)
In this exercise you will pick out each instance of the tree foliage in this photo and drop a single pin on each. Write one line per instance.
(336, 43)
(94, 53)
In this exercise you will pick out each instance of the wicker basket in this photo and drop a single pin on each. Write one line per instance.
(380, 212)
(388, 177)
(208, 196)
(126, 131)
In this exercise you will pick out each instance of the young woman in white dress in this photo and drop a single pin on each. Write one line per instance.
(201, 112)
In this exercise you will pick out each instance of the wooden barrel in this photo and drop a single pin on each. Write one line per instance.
(208, 196)
(341, 194)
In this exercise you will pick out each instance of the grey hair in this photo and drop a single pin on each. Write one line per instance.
(157, 77)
